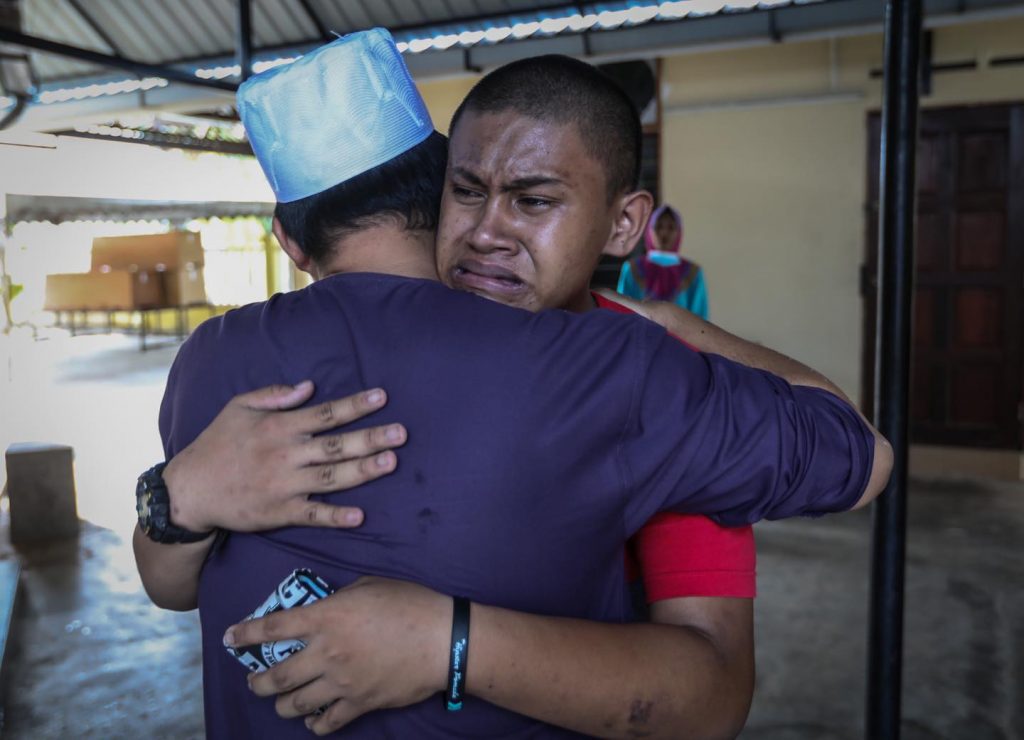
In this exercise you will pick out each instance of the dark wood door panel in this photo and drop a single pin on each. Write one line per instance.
(973, 396)
(967, 379)
(924, 331)
(978, 319)
(980, 241)
(972, 118)
(931, 165)
(922, 398)
(983, 161)
(932, 249)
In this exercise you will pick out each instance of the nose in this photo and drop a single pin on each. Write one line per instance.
(491, 231)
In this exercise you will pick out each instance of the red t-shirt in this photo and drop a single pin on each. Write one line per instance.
(686, 555)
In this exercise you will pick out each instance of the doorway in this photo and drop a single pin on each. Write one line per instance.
(967, 380)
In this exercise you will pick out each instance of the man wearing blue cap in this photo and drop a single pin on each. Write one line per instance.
(261, 337)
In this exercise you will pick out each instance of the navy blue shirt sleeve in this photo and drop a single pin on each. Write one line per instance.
(714, 437)
(196, 390)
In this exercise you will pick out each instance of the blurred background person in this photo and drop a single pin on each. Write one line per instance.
(661, 273)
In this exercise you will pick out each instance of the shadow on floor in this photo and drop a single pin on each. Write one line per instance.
(90, 657)
(964, 619)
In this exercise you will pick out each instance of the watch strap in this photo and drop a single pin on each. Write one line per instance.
(153, 505)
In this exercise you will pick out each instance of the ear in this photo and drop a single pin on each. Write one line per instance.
(632, 213)
(291, 247)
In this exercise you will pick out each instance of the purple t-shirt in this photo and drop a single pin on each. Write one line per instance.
(538, 443)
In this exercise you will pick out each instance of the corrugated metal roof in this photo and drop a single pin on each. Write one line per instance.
(155, 31)
(194, 31)
(57, 19)
(439, 37)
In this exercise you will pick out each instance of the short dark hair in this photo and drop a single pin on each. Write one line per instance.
(408, 187)
(565, 90)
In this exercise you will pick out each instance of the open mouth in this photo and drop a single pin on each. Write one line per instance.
(481, 277)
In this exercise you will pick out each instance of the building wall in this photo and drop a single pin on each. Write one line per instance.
(764, 151)
(771, 205)
(443, 97)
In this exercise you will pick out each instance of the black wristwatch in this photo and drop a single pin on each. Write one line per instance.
(153, 506)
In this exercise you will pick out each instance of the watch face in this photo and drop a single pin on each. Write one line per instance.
(153, 507)
(142, 508)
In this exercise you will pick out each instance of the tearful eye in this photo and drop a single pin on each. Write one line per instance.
(464, 193)
(534, 203)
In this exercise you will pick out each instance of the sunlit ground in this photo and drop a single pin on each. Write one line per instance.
(105, 408)
(89, 656)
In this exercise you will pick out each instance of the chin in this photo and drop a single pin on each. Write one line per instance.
(524, 302)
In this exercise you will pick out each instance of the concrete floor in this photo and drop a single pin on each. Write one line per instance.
(90, 657)
(964, 636)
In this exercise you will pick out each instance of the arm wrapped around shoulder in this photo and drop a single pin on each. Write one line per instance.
(825, 458)
(713, 437)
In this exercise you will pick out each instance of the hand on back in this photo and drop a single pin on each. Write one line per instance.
(375, 644)
(254, 467)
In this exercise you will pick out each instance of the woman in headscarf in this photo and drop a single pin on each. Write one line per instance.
(661, 274)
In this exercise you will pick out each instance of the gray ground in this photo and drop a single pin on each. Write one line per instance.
(89, 657)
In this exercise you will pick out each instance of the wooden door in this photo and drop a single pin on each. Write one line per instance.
(967, 381)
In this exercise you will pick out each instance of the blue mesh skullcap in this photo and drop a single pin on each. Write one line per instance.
(334, 113)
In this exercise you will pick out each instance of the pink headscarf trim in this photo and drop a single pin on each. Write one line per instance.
(651, 239)
(661, 282)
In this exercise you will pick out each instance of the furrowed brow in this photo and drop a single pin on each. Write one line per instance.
(468, 175)
(525, 183)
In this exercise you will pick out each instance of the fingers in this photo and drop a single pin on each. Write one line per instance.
(316, 514)
(290, 674)
(339, 714)
(349, 474)
(276, 397)
(331, 414)
(284, 625)
(307, 699)
(351, 445)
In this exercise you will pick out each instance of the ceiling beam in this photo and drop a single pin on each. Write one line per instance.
(96, 27)
(290, 46)
(243, 42)
(109, 60)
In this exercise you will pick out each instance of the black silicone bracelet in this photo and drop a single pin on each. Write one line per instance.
(459, 654)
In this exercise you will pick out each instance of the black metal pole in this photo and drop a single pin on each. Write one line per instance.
(108, 60)
(892, 359)
(244, 41)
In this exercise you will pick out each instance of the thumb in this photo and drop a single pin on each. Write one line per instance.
(289, 624)
(277, 397)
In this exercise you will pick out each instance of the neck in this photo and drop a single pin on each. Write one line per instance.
(386, 249)
(581, 302)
